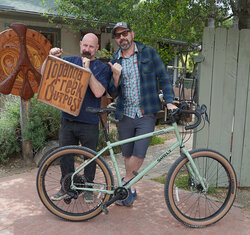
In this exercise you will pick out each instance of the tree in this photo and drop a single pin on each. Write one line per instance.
(241, 9)
(152, 20)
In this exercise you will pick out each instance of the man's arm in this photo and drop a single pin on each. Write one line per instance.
(116, 69)
(113, 86)
(96, 87)
(164, 80)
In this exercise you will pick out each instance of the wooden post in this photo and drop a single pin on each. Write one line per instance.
(26, 145)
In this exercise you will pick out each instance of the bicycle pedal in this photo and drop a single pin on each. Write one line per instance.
(67, 200)
(105, 210)
(72, 194)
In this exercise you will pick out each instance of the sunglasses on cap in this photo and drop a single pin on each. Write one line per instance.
(124, 34)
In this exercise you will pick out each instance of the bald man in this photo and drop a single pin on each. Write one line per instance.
(84, 127)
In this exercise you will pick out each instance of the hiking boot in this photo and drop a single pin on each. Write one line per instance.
(59, 195)
(88, 197)
(128, 201)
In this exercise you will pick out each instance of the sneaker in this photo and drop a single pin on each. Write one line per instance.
(59, 196)
(134, 194)
(88, 197)
(128, 201)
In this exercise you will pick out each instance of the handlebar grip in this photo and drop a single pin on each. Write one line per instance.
(197, 123)
(198, 114)
(183, 109)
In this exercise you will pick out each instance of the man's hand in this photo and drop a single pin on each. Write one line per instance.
(116, 69)
(171, 106)
(56, 51)
(53, 51)
(85, 62)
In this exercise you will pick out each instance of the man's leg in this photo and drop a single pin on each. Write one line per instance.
(67, 137)
(132, 164)
(88, 135)
(135, 154)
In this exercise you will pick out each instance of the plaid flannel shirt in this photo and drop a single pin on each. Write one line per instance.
(153, 77)
(131, 78)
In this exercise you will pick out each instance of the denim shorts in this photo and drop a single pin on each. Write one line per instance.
(129, 127)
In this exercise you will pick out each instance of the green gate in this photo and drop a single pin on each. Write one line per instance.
(224, 84)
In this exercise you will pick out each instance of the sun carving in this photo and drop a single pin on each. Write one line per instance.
(22, 52)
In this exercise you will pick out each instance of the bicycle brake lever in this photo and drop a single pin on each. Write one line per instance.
(206, 117)
(204, 110)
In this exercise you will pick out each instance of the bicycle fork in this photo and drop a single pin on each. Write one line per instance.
(193, 170)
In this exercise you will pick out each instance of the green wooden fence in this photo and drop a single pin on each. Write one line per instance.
(224, 85)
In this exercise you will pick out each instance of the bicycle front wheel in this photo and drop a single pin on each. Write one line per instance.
(185, 196)
(50, 181)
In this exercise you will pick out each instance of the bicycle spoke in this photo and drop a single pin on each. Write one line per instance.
(189, 199)
(75, 204)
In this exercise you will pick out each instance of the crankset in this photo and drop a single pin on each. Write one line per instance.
(120, 193)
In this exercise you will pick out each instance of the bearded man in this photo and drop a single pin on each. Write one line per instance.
(83, 128)
(138, 75)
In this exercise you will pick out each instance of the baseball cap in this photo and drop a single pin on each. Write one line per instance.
(120, 25)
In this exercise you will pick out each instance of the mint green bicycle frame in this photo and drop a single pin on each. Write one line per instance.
(191, 166)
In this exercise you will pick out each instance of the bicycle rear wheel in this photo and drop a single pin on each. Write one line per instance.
(49, 183)
(184, 195)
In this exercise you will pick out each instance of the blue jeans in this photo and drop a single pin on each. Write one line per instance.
(71, 133)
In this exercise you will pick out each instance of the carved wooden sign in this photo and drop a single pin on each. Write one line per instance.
(63, 85)
(22, 52)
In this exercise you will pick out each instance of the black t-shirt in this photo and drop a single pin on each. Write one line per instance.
(102, 73)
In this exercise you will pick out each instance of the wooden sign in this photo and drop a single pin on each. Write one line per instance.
(22, 52)
(63, 85)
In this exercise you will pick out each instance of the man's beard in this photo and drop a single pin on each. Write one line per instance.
(125, 46)
(86, 54)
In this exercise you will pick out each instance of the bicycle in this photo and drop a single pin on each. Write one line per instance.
(199, 190)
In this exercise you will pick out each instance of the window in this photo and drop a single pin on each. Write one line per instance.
(52, 34)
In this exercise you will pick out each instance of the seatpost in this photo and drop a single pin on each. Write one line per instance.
(104, 129)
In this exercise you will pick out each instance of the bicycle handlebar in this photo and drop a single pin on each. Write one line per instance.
(197, 112)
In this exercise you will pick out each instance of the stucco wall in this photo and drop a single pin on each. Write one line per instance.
(69, 40)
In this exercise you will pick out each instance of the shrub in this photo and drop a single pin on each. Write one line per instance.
(43, 124)
(10, 131)
(113, 136)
